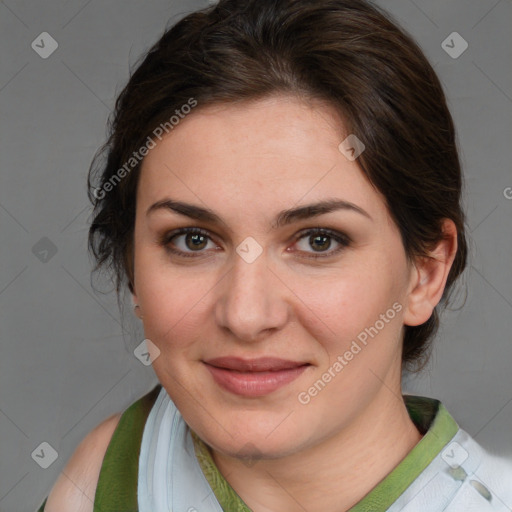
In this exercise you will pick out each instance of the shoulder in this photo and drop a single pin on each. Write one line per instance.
(76, 485)
(103, 461)
(488, 475)
(495, 471)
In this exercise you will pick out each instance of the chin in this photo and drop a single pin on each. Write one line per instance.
(246, 430)
(254, 442)
(253, 450)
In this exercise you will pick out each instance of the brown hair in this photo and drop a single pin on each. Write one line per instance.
(345, 52)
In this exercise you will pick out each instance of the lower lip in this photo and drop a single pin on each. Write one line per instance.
(254, 383)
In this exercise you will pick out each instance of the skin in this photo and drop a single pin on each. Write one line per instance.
(247, 162)
(75, 488)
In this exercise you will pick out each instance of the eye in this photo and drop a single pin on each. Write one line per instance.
(192, 242)
(321, 240)
(187, 241)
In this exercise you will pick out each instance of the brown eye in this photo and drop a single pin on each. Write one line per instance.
(187, 241)
(195, 241)
(321, 240)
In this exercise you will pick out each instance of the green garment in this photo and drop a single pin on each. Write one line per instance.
(117, 484)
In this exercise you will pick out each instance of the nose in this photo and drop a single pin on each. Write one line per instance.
(253, 301)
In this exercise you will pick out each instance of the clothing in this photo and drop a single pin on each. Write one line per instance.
(446, 471)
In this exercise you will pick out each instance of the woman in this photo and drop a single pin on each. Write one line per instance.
(282, 198)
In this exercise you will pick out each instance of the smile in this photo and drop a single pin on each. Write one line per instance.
(255, 377)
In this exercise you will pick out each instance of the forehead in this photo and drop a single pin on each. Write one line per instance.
(268, 153)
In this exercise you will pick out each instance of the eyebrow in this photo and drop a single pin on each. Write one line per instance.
(283, 218)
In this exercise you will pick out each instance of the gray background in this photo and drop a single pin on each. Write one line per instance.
(66, 361)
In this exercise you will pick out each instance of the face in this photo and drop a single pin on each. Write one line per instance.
(275, 330)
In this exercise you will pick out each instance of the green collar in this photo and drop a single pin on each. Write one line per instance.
(428, 414)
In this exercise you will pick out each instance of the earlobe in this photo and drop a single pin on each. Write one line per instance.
(136, 309)
(136, 306)
(429, 276)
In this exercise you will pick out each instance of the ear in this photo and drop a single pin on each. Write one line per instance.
(428, 277)
(135, 301)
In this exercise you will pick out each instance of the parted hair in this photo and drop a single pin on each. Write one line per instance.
(348, 53)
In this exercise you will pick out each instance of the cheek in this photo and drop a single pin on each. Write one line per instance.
(334, 306)
(172, 299)
(347, 301)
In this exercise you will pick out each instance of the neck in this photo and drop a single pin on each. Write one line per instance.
(335, 474)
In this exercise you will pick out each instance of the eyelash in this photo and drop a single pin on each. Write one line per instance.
(340, 238)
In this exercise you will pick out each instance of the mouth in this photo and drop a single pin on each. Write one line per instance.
(254, 377)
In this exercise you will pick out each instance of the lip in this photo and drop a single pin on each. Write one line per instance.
(254, 377)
